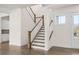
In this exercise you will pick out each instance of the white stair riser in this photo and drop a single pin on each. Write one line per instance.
(41, 33)
(40, 37)
(39, 40)
(37, 47)
(38, 43)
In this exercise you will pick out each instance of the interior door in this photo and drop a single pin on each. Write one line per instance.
(75, 36)
(62, 32)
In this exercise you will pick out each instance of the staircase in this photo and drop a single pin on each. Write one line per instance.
(39, 41)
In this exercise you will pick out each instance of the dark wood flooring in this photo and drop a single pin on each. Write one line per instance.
(5, 49)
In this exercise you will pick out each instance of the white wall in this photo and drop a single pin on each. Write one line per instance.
(15, 27)
(27, 25)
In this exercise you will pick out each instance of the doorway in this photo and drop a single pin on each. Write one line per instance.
(75, 39)
(4, 29)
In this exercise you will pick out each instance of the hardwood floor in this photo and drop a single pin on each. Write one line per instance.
(5, 49)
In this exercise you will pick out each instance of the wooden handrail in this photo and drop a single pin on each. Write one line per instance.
(43, 19)
(38, 22)
(52, 30)
(32, 10)
(29, 33)
(33, 14)
(30, 15)
(34, 18)
(36, 25)
(50, 22)
(50, 35)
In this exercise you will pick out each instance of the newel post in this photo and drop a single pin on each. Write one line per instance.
(43, 19)
(29, 39)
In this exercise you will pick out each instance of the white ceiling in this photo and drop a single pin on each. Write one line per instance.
(4, 8)
(56, 6)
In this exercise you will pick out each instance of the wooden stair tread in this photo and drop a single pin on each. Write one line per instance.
(38, 42)
(38, 45)
(40, 36)
(39, 39)
(42, 31)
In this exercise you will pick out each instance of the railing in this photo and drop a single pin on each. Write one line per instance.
(31, 13)
(32, 10)
(31, 38)
(50, 22)
(52, 30)
(50, 35)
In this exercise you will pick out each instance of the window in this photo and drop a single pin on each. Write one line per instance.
(60, 19)
(76, 19)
